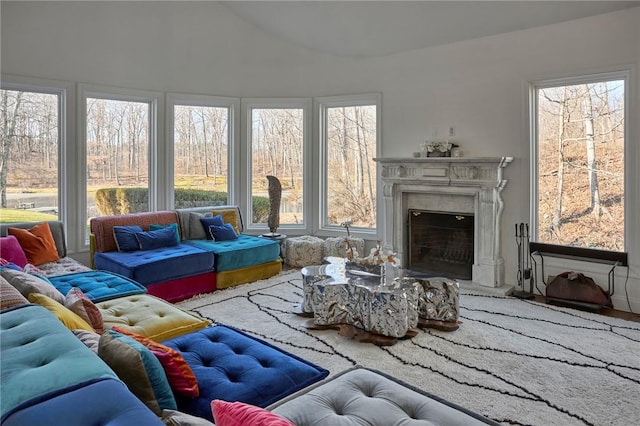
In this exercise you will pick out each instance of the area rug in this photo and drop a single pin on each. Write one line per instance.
(515, 361)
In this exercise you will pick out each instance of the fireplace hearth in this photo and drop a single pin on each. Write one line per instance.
(455, 186)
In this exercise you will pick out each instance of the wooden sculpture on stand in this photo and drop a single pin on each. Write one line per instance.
(275, 195)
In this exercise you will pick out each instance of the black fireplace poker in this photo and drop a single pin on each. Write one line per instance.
(524, 262)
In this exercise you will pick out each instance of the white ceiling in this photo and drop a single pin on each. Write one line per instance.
(376, 28)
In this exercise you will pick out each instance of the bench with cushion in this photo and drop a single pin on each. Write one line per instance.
(362, 396)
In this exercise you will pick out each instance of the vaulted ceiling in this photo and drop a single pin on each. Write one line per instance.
(376, 28)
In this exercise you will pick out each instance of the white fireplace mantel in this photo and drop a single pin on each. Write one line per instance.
(469, 185)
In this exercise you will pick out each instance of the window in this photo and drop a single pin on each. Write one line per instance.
(277, 139)
(202, 133)
(30, 136)
(349, 140)
(120, 148)
(579, 161)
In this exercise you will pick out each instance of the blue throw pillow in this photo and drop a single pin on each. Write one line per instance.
(171, 225)
(209, 221)
(223, 233)
(165, 237)
(125, 237)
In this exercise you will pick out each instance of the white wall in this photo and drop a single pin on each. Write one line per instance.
(479, 86)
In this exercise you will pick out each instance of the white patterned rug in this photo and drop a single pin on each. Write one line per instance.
(515, 361)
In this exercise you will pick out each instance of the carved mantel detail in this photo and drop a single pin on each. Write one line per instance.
(444, 184)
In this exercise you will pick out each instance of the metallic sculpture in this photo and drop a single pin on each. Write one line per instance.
(275, 195)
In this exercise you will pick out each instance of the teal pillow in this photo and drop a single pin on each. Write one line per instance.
(165, 237)
(155, 371)
(171, 225)
(125, 237)
(223, 233)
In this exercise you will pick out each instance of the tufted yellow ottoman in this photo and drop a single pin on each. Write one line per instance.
(303, 251)
(149, 316)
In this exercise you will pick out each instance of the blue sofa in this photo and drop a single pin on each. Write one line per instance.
(195, 265)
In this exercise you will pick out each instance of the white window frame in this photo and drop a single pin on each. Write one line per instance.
(66, 137)
(248, 105)
(322, 104)
(155, 100)
(533, 117)
(233, 107)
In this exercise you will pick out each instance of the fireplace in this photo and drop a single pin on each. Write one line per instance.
(454, 186)
(440, 244)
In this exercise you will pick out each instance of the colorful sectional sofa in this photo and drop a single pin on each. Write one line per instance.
(195, 265)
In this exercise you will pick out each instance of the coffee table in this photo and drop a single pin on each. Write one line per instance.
(385, 302)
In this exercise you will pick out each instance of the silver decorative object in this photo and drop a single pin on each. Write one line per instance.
(381, 301)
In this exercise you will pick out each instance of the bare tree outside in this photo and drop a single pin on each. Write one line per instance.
(29, 138)
(351, 171)
(201, 139)
(117, 137)
(277, 150)
(117, 158)
(581, 165)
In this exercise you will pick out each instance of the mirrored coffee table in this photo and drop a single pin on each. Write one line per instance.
(379, 304)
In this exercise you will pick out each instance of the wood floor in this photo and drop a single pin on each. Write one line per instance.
(608, 312)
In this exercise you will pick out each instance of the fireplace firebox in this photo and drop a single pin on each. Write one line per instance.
(440, 243)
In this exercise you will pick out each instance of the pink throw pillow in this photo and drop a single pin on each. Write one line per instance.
(11, 251)
(241, 414)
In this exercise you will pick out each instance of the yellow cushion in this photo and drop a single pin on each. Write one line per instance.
(149, 316)
(249, 274)
(66, 316)
(228, 216)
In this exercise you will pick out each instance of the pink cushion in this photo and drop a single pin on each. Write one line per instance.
(241, 414)
(11, 251)
(82, 306)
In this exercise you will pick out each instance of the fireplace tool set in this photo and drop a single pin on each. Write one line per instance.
(524, 262)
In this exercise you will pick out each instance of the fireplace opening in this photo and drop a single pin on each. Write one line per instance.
(441, 244)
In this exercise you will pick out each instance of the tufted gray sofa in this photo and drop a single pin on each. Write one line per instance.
(362, 396)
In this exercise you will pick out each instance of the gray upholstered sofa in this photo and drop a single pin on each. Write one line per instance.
(362, 396)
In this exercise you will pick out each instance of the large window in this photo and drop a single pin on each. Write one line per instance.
(30, 132)
(202, 134)
(120, 151)
(349, 139)
(579, 161)
(277, 134)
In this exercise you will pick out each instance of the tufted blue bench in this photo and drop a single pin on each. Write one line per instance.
(98, 285)
(152, 266)
(362, 396)
(233, 366)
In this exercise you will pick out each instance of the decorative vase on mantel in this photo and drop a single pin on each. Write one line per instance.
(438, 153)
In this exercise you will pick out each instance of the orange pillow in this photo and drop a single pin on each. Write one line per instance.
(37, 243)
(180, 376)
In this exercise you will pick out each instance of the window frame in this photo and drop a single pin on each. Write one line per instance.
(155, 100)
(322, 104)
(246, 189)
(233, 168)
(629, 155)
(66, 136)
